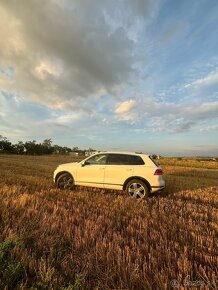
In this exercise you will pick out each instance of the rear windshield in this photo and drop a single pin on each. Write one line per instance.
(154, 160)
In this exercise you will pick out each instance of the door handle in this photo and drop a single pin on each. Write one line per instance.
(129, 169)
(101, 168)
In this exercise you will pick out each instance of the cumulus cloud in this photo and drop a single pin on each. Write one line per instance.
(78, 66)
(127, 110)
(31, 121)
(69, 51)
(160, 116)
(125, 107)
(189, 117)
(45, 70)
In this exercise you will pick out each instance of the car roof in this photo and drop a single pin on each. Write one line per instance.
(122, 152)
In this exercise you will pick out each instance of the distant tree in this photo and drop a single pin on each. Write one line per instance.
(47, 142)
(46, 147)
(67, 150)
(31, 147)
(61, 150)
(75, 149)
(19, 148)
(5, 145)
(56, 149)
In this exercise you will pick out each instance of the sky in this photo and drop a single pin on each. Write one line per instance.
(136, 75)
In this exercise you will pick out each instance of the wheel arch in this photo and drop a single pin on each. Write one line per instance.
(136, 177)
(62, 172)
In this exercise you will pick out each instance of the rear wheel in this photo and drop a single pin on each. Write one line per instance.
(137, 189)
(65, 181)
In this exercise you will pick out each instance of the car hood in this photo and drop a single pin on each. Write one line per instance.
(69, 164)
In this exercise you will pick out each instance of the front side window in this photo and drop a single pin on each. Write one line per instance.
(118, 159)
(97, 159)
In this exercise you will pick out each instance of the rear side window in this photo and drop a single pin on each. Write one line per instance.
(136, 160)
(154, 161)
(124, 159)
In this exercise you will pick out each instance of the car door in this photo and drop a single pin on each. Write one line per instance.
(92, 172)
(117, 170)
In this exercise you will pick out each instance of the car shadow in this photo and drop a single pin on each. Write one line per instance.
(162, 193)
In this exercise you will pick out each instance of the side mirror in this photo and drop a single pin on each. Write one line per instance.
(84, 163)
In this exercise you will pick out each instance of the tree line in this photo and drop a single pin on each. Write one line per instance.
(34, 148)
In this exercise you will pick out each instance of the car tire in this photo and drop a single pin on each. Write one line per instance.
(65, 181)
(137, 189)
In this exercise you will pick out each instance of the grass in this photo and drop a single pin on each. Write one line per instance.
(190, 162)
(97, 239)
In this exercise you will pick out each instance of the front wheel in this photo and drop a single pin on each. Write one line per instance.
(137, 189)
(65, 181)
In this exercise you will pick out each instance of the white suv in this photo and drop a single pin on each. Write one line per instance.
(137, 174)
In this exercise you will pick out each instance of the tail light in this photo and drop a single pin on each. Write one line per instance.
(158, 172)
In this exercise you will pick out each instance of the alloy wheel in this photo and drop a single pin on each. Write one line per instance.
(137, 190)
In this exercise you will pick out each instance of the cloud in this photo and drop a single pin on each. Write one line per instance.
(160, 116)
(6, 72)
(209, 80)
(23, 120)
(45, 70)
(207, 110)
(105, 121)
(189, 117)
(66, 52)
(68, 68)
(125, 107)
(209, 128)
(127, 111)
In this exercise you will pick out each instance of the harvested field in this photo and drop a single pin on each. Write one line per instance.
(97, 239)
